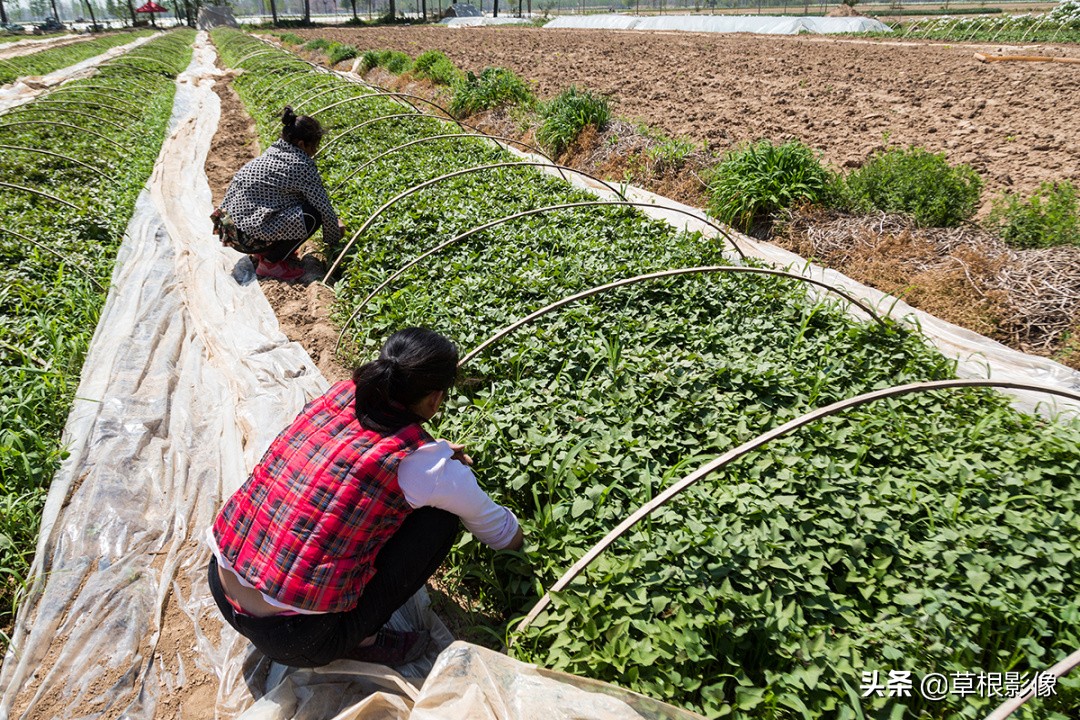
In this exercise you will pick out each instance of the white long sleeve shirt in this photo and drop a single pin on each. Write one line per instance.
(430, 477)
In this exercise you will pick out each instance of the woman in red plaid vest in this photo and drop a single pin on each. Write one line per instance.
(349, 512)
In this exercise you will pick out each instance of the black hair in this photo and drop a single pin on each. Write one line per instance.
(304, 128)
(413, 363)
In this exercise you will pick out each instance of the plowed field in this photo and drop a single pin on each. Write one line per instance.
(1017, 123)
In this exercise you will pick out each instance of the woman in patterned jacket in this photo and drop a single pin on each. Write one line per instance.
(349, 512)
(277, 201)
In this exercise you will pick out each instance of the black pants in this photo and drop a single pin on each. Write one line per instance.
(280, 250)
(402, 567)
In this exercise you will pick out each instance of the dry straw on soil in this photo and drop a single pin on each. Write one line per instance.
(1028, 299)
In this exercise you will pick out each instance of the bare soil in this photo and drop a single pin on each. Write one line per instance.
(1017, 124)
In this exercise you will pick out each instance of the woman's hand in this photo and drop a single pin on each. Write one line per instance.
(459, 453)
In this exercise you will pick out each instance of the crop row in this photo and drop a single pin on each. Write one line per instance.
(73, 163)
(47, 61)
(933, 533)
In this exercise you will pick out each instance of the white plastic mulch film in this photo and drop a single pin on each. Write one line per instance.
(782, 25)
(187, 380)
(26, 89)
(483, 21)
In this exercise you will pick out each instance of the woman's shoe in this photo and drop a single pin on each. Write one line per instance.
(287, 269)
(392, 647)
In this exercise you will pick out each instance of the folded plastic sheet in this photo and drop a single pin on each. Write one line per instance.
(783, 25)
(26, 89)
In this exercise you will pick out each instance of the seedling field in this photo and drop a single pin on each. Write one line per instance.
(933, 532)
(72, 164)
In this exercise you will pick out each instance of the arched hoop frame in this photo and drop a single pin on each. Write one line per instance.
(1013, 704)
(169, 70)
(63, 258)
(84, 103)
(38, 192)
(90, 90)
(332, 84)
(386, 94)
(370, 121)
(321, 90)
(23, 109)
(265, 50)
(747, 447)
(498, 139)
(706, 270)
(457, 173)
(38, 151)
(262, 84)
(537, 211)
(121, 148)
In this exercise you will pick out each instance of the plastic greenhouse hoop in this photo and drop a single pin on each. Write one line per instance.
(258, 53)
(509, 329)
(368, 96)
(84, 103)
(322, 83)
(62, 157)
(261, 84)
(736, 453)
(170, 70)
(57, 253)
(38, 192)
(457, 173)
(1013, 704)
(300, 75)
(88, 89)
(499, 139)
(123, 150)
(63, 111)
(336, 84)
(370, 121)
(535, 211)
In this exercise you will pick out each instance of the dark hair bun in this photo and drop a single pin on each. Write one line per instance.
(288, 117)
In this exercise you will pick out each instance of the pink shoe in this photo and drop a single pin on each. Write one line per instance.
(287, 269)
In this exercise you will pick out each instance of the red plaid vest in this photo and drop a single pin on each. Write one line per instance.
(306, 526)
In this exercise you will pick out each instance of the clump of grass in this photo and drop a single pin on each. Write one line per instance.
(670, 154)
(317, 44)
(291, 39)
(917, 183)
(752, 184)
(338, 52)
(570, 112)
(393, 60)
(436, 67)
(492, 88)
(1048, 218)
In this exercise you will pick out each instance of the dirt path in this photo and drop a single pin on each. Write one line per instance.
(1018, 124)
(303, 308)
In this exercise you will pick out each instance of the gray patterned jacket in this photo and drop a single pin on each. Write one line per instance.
(264, 197)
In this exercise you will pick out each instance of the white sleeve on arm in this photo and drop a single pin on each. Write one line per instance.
(429, 477)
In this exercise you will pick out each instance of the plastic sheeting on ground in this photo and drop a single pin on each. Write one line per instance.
(187, 380)
(29, 47)
(762, 25)
(483, 21)
(26, 89)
